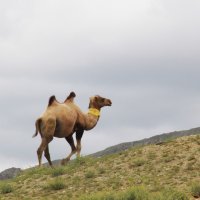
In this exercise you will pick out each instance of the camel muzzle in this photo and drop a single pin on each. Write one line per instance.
(109, 102)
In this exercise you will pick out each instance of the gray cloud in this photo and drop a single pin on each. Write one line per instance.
(141, 54)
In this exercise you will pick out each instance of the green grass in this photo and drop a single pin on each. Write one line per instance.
(171, 194)
(138, 193)
(135, 194)
(138, 162)
(90, 174)
(58, 171)
(195, 190)
(101, 170)
(6, 188)
(57, 184)
(151, 155)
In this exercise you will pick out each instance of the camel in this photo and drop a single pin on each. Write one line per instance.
(62, 120)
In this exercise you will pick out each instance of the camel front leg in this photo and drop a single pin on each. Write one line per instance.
(70, 140)
(79, 135)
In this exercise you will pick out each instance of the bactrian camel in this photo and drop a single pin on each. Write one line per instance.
(62, 120)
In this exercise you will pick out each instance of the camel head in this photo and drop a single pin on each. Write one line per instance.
(98, 102)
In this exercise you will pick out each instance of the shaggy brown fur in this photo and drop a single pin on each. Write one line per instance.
(62, 120)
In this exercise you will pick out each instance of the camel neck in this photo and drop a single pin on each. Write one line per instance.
(92, 118)
(94, 111)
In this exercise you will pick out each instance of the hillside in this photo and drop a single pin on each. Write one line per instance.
(157, 139)
(166, 171)
(152, 140)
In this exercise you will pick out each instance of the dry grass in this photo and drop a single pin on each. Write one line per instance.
(157, 168)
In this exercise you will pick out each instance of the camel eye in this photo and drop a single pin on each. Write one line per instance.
(102, 99)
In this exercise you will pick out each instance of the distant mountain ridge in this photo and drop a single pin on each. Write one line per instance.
(158, 139)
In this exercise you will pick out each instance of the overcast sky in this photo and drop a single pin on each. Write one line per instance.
(143, 55)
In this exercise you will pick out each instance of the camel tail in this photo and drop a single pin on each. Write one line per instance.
(37, 126)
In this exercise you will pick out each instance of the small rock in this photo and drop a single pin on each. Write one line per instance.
(9, 173)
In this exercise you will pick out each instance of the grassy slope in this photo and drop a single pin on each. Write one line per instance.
(174, 164)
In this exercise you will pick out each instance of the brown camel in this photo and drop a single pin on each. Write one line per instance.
(62, 120)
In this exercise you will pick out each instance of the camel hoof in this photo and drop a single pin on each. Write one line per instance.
(64, 161)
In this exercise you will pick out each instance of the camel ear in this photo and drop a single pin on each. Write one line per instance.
(90, 104)
(92, 100)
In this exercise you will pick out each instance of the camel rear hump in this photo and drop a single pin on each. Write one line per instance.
(52, 101)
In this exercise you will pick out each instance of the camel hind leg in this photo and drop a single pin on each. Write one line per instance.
(47, 136)
(47, 155)
(40, 150)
